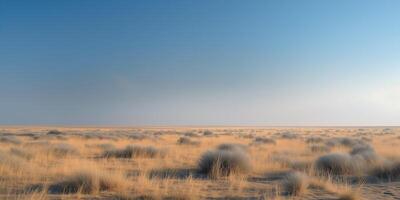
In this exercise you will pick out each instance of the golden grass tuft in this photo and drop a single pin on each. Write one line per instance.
(88, 182)
(296, 184)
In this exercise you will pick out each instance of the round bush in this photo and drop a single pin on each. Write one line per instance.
(224, 163)
(335, 163)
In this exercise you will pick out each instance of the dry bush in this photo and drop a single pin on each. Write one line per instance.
(335, 163)
(11, 139)
(320, 148)
(362, 149)
(133, 151)
(208, 133)
(288, 135)
(55, 132)
(366, 155)
(106, 146)
(22, 153)
(10, 162)
(388, 171)
(345, 141)
(295, 183)
(224, 163)
(337, 187)
(187, 141)
(314, 140)
(232, 147)
(87, 182)
(62, 150)
(263, 140)
(247, 136)
(191, 134)
(138, 136)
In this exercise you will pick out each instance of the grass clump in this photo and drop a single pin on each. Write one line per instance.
(187, 141)
(335, 163)
(296, 183)
(314, 140)
(133, 151)
(22, 153)
(232, 147)
(10, 139)
(320, 148)
(55, 132)
(388, 171)
(62, 150)
(208, 133)
(365, 154)
(8, 160)
(224, 162)
(105, 146)
(345, 141)
(288, 135)
(190, 134)
(87, 183)
(263, 140)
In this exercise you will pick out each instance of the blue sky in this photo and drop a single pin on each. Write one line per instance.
(200, 62)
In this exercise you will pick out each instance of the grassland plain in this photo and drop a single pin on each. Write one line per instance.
(200, 163)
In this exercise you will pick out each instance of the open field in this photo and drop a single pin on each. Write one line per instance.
(199, 163)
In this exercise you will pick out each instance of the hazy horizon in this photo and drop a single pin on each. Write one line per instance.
(177, 63)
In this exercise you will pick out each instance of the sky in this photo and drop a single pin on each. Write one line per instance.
(211, 62)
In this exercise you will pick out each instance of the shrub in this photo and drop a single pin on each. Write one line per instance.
(319, 148)
(347, 142)
(365, 153)
(10, 139)
(288, 135)
(232, 147)
(295, 183)
(207, 133)
(187, 141)
(387, 171)
(138, 136)
(62, 149)
(105, 146)
(10, 161)
(314, 140)
(247, 136)
(190, 134)
(132, 151)
(263, 140)
(86, 182)
(55, 132)
(224, 163)
(22, 153)
(335, 163)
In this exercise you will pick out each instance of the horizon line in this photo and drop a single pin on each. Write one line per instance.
(191, 126)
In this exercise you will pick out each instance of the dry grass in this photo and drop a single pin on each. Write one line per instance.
(190, 163)
(296, 184)
(88, 182)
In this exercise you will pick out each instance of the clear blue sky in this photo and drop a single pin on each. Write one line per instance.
(200, 62)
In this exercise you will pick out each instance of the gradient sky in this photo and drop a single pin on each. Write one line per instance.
(200, 62)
